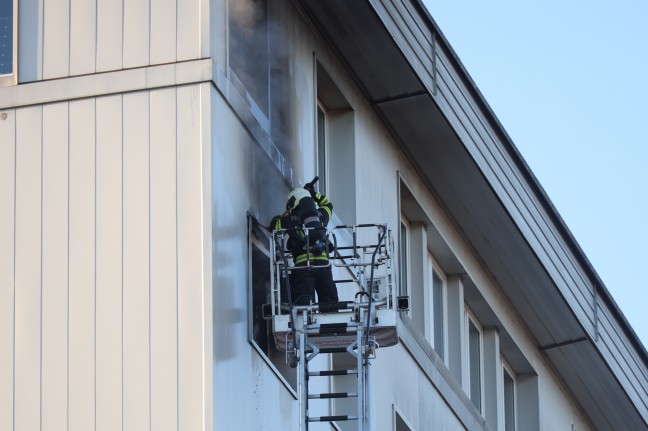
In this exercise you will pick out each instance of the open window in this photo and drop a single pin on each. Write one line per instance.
(260, 329)
(8, 42)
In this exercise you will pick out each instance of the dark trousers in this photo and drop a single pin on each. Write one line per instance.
(306, 281)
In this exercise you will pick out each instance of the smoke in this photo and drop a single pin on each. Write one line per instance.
(246, 14)
(265, 71)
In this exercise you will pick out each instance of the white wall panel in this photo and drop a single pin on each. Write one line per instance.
(109, 263)
(190, 259)
(60, 38)
(163, 31)
(136, 268)
(27, 391)
(189, 29)
(136, 33)
(7, 195)
(55, 267)
(164, 276)
(103, 207)
(82, 265)
(56, 29)
(110, 25)
(83, 36)
(207, 247)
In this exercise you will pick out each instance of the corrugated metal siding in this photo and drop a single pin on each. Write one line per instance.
(61, 38)
(103, 233)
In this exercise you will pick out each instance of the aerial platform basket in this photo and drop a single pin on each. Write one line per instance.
(363, 256)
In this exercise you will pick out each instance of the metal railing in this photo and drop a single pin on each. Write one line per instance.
(355, 248)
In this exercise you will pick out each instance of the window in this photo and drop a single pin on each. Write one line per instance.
(321, 148)
(8, 42)
(260, 330)
(474, 354)
(335, 145)
(508, 403)
(437, 308)
(403, 289)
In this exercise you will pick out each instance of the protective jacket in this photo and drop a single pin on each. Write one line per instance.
(313, 211)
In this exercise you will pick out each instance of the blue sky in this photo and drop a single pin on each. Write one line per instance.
(568, 80)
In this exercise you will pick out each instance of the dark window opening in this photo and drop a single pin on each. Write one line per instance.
(261, 335)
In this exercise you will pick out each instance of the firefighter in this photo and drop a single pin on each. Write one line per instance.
(305, 207)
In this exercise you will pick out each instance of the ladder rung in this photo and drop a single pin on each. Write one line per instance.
(334, 328)
(334, 307)
(333, 350)
(331, 418)
(334, 395)
(332, 372)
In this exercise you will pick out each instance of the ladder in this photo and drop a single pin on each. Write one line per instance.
(356, 327)
(362, 349)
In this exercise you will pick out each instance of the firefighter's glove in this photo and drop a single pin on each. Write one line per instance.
(311, 189)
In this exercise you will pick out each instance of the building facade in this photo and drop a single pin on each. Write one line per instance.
(138, 140)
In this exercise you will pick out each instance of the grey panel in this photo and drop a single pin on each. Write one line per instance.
(624, 362)
(598, 392)
(354, 30)
(503, 176)
(453, 175)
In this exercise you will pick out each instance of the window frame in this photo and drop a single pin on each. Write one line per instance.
(471, 319)
(10, 79)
